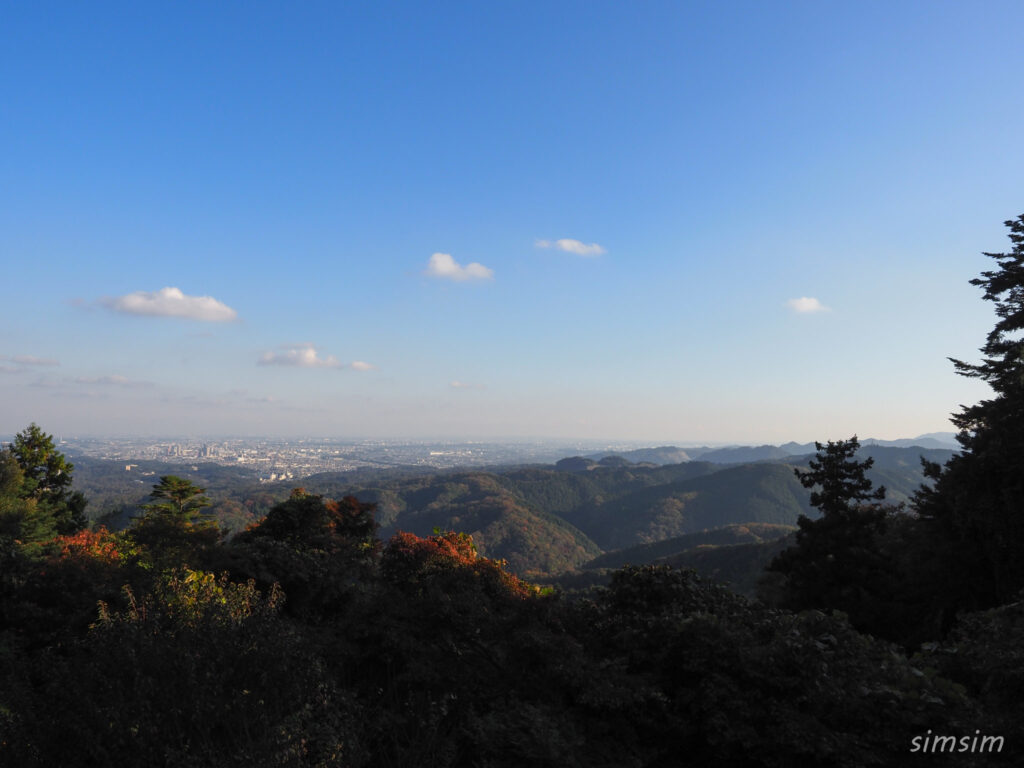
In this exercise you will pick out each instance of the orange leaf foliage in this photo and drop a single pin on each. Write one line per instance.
(99, 546)
(409, 556)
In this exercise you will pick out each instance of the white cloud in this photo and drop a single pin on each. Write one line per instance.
(444, 266)
(569, 245)
(171, 302)
(806, 305)
(299, 356)
(33, 360)
(463, 385)
(306, 355)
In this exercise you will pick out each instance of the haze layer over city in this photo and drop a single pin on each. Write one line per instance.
(664, 223)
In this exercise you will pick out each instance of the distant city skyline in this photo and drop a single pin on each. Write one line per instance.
(661, 223)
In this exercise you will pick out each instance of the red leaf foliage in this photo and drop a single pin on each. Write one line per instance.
(411, 558)
(85, 547)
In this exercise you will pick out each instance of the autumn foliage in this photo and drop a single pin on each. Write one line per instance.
(85, 548)
(410, 559)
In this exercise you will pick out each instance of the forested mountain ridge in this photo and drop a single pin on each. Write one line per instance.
(753, 493)
(725, 536)
(503, 525)
(540, 519)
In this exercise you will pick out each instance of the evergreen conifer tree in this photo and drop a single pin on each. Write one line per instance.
(836, 563)
(975, 511)
(46, 479)
(179, 497)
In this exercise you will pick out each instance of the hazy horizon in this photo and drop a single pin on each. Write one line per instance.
(587, 443)
(663, 224)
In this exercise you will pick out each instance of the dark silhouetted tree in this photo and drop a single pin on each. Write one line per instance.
(840, 478)
(837, 562)
(974, 514)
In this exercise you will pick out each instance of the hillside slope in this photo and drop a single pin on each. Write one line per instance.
(726, 536)
(751, 493)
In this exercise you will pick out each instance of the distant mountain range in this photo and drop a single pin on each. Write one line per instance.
(719, 513)
(740, 454)
(547, 519)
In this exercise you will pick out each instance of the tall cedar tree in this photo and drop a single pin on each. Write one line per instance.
(173, 530)
(182, 498)
(975, 511)
(47, 478)
(836, 561)
(840, 478)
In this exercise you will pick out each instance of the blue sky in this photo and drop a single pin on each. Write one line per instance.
(628, 199)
